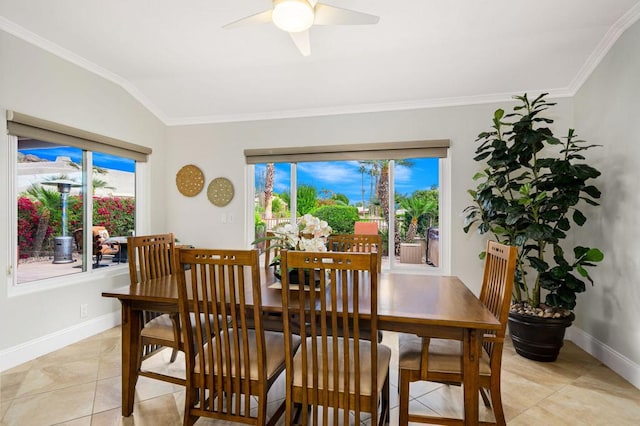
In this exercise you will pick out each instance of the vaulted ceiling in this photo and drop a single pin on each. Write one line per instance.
(175, 57)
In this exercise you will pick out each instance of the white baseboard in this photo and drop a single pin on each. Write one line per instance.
(27, 351)
(619, 363)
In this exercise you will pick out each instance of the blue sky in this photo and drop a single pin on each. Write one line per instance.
(99, 159)
(345, 177)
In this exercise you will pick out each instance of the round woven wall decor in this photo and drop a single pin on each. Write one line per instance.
(220, 191)
(190, 180)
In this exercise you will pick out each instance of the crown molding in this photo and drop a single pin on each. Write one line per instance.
(601, 50)
(59, 51)
(363, 108)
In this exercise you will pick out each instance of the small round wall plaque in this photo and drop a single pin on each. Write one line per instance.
(220, 191)
(190, 180)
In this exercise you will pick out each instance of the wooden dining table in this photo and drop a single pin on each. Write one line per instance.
(430, 306)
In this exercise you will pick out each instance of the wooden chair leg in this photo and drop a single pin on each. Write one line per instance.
(384, 409)
(403, 385)
(174, 355)
(175, 320)
(496, 400)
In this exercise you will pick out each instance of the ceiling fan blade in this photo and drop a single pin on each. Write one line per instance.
(331, 15)
(258, 18)
(302, 42)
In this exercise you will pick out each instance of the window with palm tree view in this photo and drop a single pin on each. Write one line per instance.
(344, 193)
(52, 214)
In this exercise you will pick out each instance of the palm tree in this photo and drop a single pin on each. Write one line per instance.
(415, 208)
(363, 169)
(380, 170)
(98, 183)
(48, 200)
(268, 191)
(383, 195)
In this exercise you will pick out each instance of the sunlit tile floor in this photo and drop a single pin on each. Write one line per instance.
(80, 385)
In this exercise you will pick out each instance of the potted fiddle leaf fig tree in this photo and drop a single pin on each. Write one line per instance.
(528, 195)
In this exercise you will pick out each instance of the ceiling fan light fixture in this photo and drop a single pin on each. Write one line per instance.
(292, 16)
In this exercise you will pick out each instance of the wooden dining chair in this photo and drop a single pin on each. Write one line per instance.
(333, 374)
(269, 247)
(359, 243)
(152, 256)
(242, 360)
(440, 360)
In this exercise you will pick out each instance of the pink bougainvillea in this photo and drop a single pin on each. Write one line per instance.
(117, 214)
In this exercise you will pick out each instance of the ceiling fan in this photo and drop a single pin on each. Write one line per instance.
(297, 16)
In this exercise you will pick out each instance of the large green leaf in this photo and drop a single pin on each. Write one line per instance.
(579, 218)
(539, 231)
(592, 191)
(538, 264)
(594, 255)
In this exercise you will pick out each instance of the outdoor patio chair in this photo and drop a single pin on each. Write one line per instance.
(99, 247)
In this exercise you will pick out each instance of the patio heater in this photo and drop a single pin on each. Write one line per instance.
(63, 245)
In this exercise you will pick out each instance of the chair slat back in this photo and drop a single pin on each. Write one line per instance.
(359, 243)
(222, 290)
(497, 285)
(150, 256)
(328, 299)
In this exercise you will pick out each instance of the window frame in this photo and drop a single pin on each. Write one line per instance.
(444, 177)
(90, 274)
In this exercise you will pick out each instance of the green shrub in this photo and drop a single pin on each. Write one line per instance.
(259, 223)
(307, 199)
(340, 218)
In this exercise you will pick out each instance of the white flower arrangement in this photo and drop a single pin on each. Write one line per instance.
(308, 234)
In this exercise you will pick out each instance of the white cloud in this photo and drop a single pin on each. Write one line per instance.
(329, 173)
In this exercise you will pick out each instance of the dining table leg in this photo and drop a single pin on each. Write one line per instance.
(130, 352)
(471, 375)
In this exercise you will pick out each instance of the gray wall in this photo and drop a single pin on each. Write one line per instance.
(607, 112)
(218, 150)
(40, 84)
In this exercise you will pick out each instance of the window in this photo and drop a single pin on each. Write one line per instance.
(404, 196)
(66, 182)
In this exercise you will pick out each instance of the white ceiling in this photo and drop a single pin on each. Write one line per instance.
(178, 61)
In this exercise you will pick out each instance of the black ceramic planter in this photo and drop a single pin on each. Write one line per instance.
(293, 276)
(539, 339)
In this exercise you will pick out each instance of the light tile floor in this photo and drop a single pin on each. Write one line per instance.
(79, 385)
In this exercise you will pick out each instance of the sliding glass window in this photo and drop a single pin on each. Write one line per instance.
(75, 199)
(405, 209)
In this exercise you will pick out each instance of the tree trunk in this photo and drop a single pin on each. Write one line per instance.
(383, 196)
(268, 191)
(383, 191)
(413, 230)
